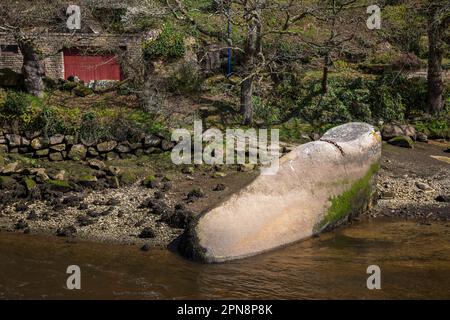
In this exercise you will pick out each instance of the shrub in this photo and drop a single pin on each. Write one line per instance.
(16, 104)
(185, 79)
(265, 111)
(169, 45)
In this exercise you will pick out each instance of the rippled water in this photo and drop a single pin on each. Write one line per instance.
(414, 261)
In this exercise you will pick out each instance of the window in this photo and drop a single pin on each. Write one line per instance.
(9, 49)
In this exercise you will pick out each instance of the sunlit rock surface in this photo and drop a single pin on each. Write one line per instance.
(318, 185)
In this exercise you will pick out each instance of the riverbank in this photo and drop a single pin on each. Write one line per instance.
(411, 185)
(414, 183)
(150, 205)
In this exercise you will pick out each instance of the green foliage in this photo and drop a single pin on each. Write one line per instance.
(390, 97)
(168, 46)
(185, 79)
(265, 111)
(403, 27)
(20, 108)
(16, 104)
(435, 128)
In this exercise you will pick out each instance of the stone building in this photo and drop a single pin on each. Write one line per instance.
(91, 53)
(87, 56)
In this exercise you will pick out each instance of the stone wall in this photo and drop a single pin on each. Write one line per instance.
(61, 147)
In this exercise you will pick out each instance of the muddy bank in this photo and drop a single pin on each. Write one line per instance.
(151, 209)
(411, 185)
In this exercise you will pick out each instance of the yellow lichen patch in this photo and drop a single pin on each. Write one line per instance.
(442, 158)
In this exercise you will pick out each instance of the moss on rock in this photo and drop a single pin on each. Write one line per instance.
(59, 185)
(352, 201)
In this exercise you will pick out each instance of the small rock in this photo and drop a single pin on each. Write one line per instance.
(11, 168)
(97, 164)
(188, 170)
(146, 233)
(83, 206)
(77, 152)
(14, 140)
(38, 143)
(21, 224)
(59, 175)
(56, 139)
(423, 186)
(151, 140)
(106, 146)
(112, 202)
(145, 247)
(56, 156)
(219, 187)
(166, 186)
(84, 221)
(21, 207)
(58, 147)
(32, 216)
(219, 174)
(42, 152)
(167, 145)
(442, 198)
(92, 152)
(196, 193)
(123, 148)
(402, 141)
(246, 167)
(422, 137)
(70, 140)
(66, 231)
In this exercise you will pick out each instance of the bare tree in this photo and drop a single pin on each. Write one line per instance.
(26, 21)
(250, 17)
(438, 15)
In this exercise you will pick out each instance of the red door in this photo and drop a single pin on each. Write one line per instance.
(91, 67)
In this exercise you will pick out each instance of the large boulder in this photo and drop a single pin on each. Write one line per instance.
(317, 186)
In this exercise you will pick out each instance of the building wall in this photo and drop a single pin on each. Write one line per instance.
(127, 48)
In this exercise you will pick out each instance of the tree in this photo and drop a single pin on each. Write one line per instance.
(438, 14)
(339, 20)
(26, 21)
(250, 18)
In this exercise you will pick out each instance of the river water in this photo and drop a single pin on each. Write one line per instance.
(414, 260)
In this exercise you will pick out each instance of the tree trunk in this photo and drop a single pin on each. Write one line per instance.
(253, 47)
(247, 100)
(326, 64)
(435, 100)
(32, 68)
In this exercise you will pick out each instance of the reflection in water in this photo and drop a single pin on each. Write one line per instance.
(414, 261)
